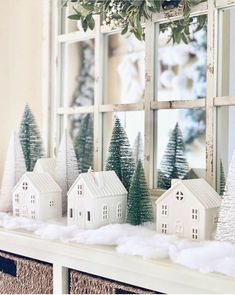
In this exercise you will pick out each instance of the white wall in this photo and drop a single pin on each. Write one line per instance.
(21, 65)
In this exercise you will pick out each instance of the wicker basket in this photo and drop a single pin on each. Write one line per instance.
(82, 283)
(20, 275)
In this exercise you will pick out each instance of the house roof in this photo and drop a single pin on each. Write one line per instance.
(101, 184)
(205, 194)
(45, 165)
(43, 182)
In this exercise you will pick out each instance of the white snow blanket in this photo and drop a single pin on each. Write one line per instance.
(208, 256)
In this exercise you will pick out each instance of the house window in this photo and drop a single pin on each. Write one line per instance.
(195, 235)
(71, 213)
(164, 228)
(33, 214)
(164, 210)
(179, 196)
(52, 204)
(32, 199)
(88, 216)
(25, 186)
(80, 190)
(119, 211)
(17, 198)
(24, 212)
(105, 212)
(17, 212)
(195, 214)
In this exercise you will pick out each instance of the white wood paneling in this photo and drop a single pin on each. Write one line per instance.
(160, 275)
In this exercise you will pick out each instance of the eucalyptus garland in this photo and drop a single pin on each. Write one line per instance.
(128, 15)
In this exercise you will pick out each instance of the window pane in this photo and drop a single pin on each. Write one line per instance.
(181, 68)
(226, 49)
(125, 70)
(77, 74)
(225, 143)
(133, 123)
(180, 148)
(81, 127)
(65, 24)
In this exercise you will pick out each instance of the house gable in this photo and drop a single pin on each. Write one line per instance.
(19, 185)
(205, 195)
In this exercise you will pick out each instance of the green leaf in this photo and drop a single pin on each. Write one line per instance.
(124, 30)
(74, 17)
(91, 23)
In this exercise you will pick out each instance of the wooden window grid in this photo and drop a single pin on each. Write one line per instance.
(59, 114)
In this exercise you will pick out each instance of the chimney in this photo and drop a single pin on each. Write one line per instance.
(174, 181)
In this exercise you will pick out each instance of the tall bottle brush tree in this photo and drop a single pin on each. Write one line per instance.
(83, 144)
(30, 139)
(120, 158)
(14, 169)
(174, 163)
(66, 167)
(139, 208)
(226, 224)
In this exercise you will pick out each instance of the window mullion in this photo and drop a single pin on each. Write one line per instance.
(211, 79)
(98, 94)
(149, 94)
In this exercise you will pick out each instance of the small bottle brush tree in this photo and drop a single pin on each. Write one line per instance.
(226, 224)
(174, 163)
(138, 149)
(139, 209)
(66, 167)
(13, 170)
(83, 144)
(120, 157)
(30, 139)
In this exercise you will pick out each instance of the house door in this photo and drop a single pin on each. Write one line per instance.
(24, 211)
(179, 228)
(80, 218)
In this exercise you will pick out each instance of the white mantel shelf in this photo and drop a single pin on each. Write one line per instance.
(159, 275)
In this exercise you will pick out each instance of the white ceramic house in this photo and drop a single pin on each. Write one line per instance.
(96, 199)
(188, 209)
(37, 196)
(46, 165)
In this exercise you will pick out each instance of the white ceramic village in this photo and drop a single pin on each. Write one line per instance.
(189, 209)
(187, 214)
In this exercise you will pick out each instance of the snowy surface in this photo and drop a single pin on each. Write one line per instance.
(208, 256)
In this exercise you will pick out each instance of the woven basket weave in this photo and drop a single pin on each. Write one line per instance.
(82, 283)
(31, 277)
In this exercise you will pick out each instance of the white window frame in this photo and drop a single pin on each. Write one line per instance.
(17, 198)
(164, 210)
(80, 190)
(119, 211)
(52, 203)
(59, 115)
(33, 199)
(17, 212)
(195, 234)
(195, 214)
(164, 228)
(33, 214)
(105, 212)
